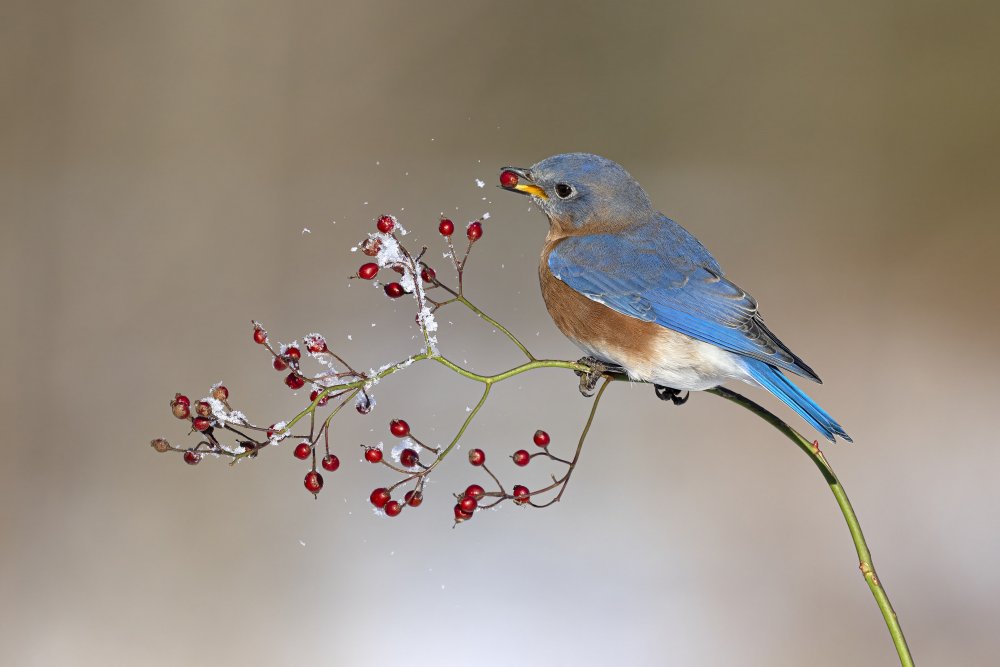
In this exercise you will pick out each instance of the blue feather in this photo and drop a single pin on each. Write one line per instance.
(774, 381)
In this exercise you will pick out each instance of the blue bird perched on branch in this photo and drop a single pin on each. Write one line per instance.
(635, 290)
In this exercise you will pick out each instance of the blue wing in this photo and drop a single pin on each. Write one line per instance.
(658, 272)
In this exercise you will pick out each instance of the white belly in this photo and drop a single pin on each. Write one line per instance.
(678, 361)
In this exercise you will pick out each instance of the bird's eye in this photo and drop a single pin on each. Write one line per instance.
(563, 190)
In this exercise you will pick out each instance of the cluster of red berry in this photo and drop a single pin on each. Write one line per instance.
(212, 417)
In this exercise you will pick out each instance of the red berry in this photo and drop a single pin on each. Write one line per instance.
(315, 344)
(313, 482)
(521, 457)
(399, 428)
(363, 405)
(180, 410)
(394, 290)
(408, 458)
(192, 458)
(393, 508)
(220, 393)
(330, 462)
(368, 271)
(541, 438)
(371, 246)
(521, 494)
(428, 274)
(413, 498)
(447, 227)
(475, 491)
(380, 497)
(477, 457)
(474, 231)
(201, 424)
(294, 381)
(508, 179)
(373, 455)
(279, 364)
(460, 514)
(293, 353)
(468, 504)
(203, 409)
(314, 394)
(302, 450)
(259, 336)
(182, 399)
(385, 224)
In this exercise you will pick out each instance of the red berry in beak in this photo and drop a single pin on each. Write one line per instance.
(508, 179)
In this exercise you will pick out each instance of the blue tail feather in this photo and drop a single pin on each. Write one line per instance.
(774, 381)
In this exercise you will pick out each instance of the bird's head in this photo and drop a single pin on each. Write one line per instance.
(580, 192)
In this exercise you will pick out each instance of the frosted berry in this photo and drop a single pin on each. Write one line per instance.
(315, 344)
(474, 231)
(371, 246)
(302, 450)
(413, 498)
(427, 274)
(313, 482)
(408, 458)
(364, 404)
(180, 410)
(468, 504)
(399, 428)
(201, 424)
(477, 457)
(385, 224)
(160, 445)
(294, 381)
(192, 458)
(373, 455)
(203, 409)
(220, 393)
(460, 514)
(521, 457)
(314, 394)
(508, 179)
(380, 497)
(521, 494)
(475, 491)
(447, 227)
(259, 336)
(541, 438)
(330, 462)
(394, 290)
(393, 508)
(368, 271)
(293, 354)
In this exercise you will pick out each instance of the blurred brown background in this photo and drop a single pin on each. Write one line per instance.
(158, 163)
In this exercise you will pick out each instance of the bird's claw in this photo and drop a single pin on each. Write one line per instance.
(598, 369)
(671, 394)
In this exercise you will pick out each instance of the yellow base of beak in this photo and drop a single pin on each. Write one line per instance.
(531, 190)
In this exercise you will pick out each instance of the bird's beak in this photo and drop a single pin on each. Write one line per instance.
(517, 179)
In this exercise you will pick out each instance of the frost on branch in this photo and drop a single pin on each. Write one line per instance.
(220, 430)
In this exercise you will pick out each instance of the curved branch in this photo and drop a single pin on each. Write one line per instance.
(864, 555)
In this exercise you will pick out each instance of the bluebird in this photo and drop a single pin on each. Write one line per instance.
(635, 290)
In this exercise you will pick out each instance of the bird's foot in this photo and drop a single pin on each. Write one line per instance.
(598, 369)
(671, 394)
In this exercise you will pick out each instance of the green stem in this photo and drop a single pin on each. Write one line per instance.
(853, 525)
(461, 299)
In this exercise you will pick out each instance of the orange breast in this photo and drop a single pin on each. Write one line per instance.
(593, 325)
